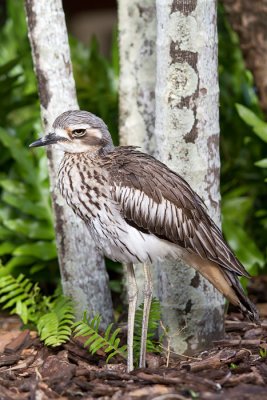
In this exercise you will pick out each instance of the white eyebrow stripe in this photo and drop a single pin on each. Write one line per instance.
(61, 132)
(80, 126)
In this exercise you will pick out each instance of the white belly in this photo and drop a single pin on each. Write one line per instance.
(121, 242)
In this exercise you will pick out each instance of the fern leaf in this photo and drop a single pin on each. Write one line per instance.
(53, 327)
(13, 301)
(91, 339)
(116, 343)
(53, 318)
(122, 352)
(109, 342)
(153, 323)
(18, 294)
(22, 310)
(111, 355)
(114, 335)
(9, 287)
(108, 330)
(108, 349)
(97, 344)
(82, 329)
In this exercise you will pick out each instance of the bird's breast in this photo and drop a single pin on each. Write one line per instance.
(83, 186)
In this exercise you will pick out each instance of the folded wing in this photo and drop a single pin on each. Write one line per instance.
(157, 200)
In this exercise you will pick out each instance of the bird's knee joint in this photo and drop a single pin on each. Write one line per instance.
(132, 296)
(148, 290)
(148, 293)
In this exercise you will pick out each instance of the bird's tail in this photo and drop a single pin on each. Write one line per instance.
(227, 283)
(244, 304)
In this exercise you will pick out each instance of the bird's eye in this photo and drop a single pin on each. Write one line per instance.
(79, 132)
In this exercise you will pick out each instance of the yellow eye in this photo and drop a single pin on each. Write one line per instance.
(79, 132)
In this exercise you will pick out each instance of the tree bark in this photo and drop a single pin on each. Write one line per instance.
(187, 139)
(137, 40)
(82, 267)
(249, 20)
(169, 107)
(137, 27)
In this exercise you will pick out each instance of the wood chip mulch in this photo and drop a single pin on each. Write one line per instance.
(236, 368)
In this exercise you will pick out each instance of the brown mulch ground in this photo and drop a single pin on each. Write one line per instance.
(233, 369)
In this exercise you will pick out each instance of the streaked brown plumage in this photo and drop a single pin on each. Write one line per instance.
(137, 209)
(190, 226)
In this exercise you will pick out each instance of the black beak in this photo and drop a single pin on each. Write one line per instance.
(51, 138)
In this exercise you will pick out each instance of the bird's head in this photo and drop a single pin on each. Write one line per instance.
(77, 132)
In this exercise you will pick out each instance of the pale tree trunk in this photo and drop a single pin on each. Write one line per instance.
(187, 139)
(137, 39)
(137, 27)
(82, 267)
(185, 136)
(249, 20)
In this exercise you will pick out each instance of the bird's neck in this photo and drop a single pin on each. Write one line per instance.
(89, 157)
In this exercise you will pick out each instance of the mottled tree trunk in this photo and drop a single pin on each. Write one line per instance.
(187, 139)
(137, 39)
(249, 20)
(83, 273)
(169, 75)
(137, 27)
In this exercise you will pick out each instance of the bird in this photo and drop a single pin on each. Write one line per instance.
(138, 210)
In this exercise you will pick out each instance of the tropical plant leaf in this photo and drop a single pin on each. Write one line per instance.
(261, 163)
(108, 342)
(53, 318)
(41, 250)
(54, 327)
(258, 125)
(152, 345)
(31, 229)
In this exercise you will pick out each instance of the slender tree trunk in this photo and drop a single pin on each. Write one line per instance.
(187, 139)
(137, 27)
(137, 39)
(82, 267)
(169, 106)
(249, 20)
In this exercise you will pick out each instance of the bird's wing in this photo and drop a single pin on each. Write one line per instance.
(155, 199)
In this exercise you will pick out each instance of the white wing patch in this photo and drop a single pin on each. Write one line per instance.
(168, 221)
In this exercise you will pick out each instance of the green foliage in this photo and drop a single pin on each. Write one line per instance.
(26, 224)
(54, 327)
(233, 366)
(243, 190)
(152, 345)
(251, 119)
(258, 126)
(235, 208)
(19, 294)
(52, 316)
(96, 81)
(263, 353)
(109, 342)
(26, 227)
(27, 243)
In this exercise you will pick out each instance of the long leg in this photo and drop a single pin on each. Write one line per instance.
(132, 298)
(147, 303)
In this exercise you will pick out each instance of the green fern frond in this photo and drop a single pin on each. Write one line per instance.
(19, 294)
(52, 315)
(109, 342)
(153, 323)
(54, 327)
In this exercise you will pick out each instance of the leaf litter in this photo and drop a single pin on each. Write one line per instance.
(235, 367)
